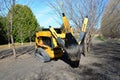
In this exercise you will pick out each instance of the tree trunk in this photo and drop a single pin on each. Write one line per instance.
(30, 37)
(13, 46)
(88, 41)
(8, 36)
(8, 44)
(30, 40)
(21, 42)
(11, 35)
(21, 38)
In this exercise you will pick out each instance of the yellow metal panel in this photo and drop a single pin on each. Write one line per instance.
(62, 35)
(84, 25)
(38, 42)
(54, 32)
(50, 53)
(43, 33)
(54, 42)
(66, 24)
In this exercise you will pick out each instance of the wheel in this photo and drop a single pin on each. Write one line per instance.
(42, 55)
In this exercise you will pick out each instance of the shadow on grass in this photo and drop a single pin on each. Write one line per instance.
(19, 51)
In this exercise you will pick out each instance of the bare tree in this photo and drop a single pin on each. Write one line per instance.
(7, 6)
(111, 20)
(12, 3)
(78, 9)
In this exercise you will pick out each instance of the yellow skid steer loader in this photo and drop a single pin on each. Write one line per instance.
(53, 43)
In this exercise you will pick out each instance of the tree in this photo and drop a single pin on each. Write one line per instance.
(111, 20)
(3, 36)
(31, 23)
(25, 23)
(78, 9)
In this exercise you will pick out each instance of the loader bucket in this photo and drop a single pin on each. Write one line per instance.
(72, 49)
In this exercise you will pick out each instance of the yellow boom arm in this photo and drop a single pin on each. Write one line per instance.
(67, 27)
(84, 25)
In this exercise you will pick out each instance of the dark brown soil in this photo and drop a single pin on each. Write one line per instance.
(102, 63)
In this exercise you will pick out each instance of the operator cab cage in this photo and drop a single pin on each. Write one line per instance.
(45, 37)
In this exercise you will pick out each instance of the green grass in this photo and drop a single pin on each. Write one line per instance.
(5, 46)
(100, 38)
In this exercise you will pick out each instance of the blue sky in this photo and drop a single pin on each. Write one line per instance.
(43, 13)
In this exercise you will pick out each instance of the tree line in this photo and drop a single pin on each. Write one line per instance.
(24, 25)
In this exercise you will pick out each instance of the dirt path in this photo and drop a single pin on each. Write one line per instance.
(102, 63)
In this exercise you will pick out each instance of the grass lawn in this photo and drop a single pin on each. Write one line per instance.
(6, 46)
